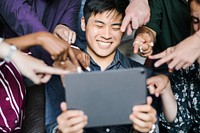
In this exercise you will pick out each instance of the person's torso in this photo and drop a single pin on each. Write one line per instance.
(12, 98)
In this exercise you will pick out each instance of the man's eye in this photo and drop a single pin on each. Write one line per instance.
(99, 26)
(116, 28)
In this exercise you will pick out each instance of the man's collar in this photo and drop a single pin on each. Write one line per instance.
(118, 58)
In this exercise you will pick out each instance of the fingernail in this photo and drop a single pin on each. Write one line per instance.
(151, 44)
(81, 113)
(156, 64)
(157, 95)
(62, 63)
(79, 70)
(88, 69)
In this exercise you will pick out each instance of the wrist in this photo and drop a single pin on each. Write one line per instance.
(7, 51)
(10, 54)
(39, 38)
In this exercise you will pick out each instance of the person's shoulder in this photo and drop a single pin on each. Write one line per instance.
(129, 62)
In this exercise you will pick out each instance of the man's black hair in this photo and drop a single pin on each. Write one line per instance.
(93, 7)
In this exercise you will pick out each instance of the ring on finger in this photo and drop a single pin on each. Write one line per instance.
(153, 128)
(151, 44)
(136, 42)
(140, 49)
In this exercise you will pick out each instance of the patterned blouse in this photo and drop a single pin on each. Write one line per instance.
(12, 98)
(186, 89)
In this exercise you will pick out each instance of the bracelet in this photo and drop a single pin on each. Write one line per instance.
(153, 128)
(1, 40)
(12, 50)
(75, 47)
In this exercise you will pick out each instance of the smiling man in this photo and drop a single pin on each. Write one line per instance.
(102, 22)
(103, 36)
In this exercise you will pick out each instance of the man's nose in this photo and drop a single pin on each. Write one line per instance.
(106, 33)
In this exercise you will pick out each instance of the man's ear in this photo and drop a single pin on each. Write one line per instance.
(83, 25)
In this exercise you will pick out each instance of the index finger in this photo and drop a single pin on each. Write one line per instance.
(164, 60)
(125, 23)
(72, 57)
(63, 106)
(52, 70)
(158, 56)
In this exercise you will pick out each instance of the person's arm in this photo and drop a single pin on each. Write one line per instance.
(137, 14)
(169, 104)
(34, 69)
(183, 119)
(20, 17)
(160, 85)
(52, 44)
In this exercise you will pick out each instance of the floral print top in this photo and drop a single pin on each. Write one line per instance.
(186, 89)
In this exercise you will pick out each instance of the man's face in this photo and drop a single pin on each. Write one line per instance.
(195, 14)
(103, 34)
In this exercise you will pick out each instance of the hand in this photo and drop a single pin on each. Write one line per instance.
(65, 33)
(161, 55)
(137, 14)
(143, 44)
(83, 58)
(143, 116)
(182, 55)
(34, 69)
(71, 121)
(158, 84)
(66, 65)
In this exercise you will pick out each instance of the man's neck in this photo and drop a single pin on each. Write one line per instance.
(103, 62)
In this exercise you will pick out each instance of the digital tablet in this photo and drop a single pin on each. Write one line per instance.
(106, 97)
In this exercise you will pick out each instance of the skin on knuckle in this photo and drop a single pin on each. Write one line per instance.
(73, 129)
(37, 81)
(136, 127)
(148, 108)
(66, 130)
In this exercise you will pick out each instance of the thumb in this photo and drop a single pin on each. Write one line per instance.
(125, 23)
(63, 106)
(149, 100)
(33, 77)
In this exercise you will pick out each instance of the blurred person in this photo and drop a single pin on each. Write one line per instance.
(13, 64)
(185, 83)
(25, 17)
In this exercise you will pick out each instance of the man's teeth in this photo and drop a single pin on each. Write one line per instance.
(104, 43)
